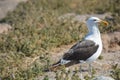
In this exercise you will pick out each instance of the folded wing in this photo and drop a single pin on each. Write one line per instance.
(81, 51)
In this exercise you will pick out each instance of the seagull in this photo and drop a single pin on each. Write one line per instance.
(86, 50)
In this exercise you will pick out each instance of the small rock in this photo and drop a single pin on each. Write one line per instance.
(103, 78)
(4, 28)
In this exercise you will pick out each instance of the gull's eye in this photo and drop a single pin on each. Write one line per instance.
(94, 20)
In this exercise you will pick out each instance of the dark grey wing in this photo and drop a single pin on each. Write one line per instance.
(81, 51)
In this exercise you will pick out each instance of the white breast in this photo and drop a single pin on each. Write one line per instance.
(97, 40)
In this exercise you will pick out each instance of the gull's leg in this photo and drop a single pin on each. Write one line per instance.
(80, 70)
(90, 69)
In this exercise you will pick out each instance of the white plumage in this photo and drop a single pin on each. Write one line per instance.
(94, 35)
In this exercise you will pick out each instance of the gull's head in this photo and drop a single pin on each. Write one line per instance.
(94, 21)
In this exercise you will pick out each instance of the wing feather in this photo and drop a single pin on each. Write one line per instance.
(81, 51)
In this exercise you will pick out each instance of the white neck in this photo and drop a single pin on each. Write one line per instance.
(93, 29)
(93, 34)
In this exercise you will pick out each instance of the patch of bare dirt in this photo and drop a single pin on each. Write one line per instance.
(8, 5)
(111, 41)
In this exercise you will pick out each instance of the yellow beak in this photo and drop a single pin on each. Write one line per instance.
(104, 22)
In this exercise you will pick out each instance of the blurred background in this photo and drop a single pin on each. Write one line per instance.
(35, 33)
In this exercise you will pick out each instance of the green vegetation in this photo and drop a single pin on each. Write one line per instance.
(116, 72)
(37, 29)
(100, 57)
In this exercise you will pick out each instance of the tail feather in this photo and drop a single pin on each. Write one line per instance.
(58, 65)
